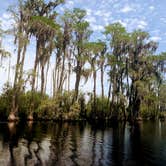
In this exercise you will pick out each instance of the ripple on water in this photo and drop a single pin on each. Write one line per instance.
(68, 144)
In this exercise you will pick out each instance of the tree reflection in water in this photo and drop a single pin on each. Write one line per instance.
(50, 144)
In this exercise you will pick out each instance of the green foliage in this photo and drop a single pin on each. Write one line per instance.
(48, 109)
(102, 108)
(25, 101)
(5, 101)
(59, 108)
(44, 21)
(115, 28)
(78, 14)
(162, 97)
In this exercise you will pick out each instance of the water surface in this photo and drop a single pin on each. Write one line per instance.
(73, 144)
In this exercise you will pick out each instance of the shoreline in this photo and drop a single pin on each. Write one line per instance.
(83, 120)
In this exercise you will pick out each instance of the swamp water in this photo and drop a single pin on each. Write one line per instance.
(79, 143)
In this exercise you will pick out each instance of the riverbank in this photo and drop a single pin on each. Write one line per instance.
(113, 120)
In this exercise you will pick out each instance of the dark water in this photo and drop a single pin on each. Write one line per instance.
(82, 144)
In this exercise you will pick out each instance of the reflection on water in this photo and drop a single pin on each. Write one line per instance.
(65, 144)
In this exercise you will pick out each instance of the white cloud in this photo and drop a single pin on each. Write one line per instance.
(97, 27)
(121, 22)
(69, 4)
(142, 24)
(89, 12)
(6, 21)
(102, 13)
(163, 19)
(151, 7)
(98, 13)
(132, 24)
(106, 14)
(127, 9)
(155, 38)
(6, 16)
(155, 32)
(61, 9)
(91, 19)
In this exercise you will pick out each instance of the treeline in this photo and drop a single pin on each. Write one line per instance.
(126, 60)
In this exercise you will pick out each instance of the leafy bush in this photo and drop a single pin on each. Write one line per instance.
(48, 109)
(5, 101)
(61, 107)
(102, 108)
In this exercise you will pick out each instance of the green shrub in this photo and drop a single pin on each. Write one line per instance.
(60, 107)
(5, 101)
(102, 108)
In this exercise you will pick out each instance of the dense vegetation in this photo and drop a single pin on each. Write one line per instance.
(126, 60)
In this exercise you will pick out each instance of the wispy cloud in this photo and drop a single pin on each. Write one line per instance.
(91, 19)
(163, 19)
(121, 22)
(142, 24)
(6, 21)
(127, 9)
(89, 12)
(156, 38)
(97, 27)
(132, 23)
(151, 7)
(69, 4)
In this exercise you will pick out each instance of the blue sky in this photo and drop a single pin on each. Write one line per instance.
(148, 15)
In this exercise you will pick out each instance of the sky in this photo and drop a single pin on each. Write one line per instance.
(147, 15)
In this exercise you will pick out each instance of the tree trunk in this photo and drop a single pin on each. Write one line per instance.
(69, 69)
(45, 86)
(53, 81)
(55, 77)
(14, 108)
(9, 70)
(102, 81)
(34, 79)
(134, 103)
(69, 75)
(37, 78)
(15, 82)
(94, 93)
(22, 64)
(109, 93)
(35, 68)
(42, 80)
(78, 77)
(62, 73)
